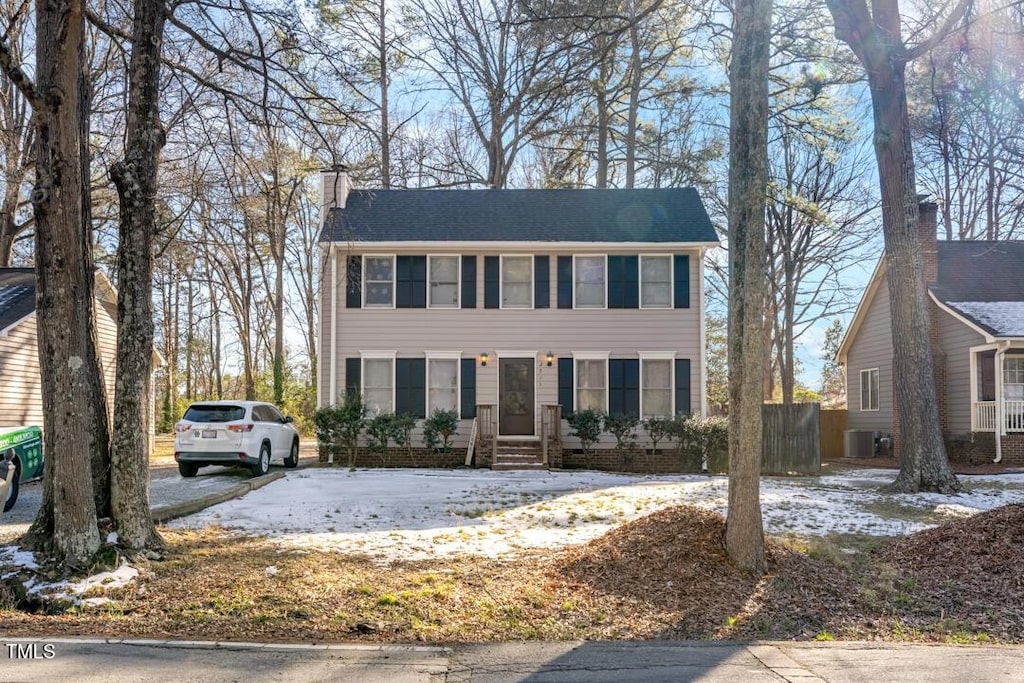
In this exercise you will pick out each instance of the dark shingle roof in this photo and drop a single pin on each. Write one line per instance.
(984, 282)
(980, 271)
(17, 294)
(663, 215)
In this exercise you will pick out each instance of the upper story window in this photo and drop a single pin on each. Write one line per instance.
(517, 282)
(869, 389)
(655, 282)
(590, 277)
(443, 272)
(379, 282)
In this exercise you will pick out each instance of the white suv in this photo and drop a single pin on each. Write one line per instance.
(247, 433)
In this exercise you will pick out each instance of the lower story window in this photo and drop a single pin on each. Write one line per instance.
(869, 389)
(443, 385)
(656, 388)
(378, 384)
(591, 384)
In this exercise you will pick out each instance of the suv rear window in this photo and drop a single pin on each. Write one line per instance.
(201, 413)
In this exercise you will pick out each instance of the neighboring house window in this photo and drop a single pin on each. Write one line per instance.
(444, 281)
(655, 387)
(655, 282)
(379, 384)
(869, 389)
(517, 282)
(442, 384)
(591, 384)
(1013, 378)
(589, 281)
(379, 281)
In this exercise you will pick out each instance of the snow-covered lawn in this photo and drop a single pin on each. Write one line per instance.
(419, 514)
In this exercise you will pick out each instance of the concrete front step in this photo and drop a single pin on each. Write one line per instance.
(505, 466)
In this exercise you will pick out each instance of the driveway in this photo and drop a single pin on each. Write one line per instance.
(167, 490)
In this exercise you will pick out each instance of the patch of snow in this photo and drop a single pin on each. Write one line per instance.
(13, 556)
(271, 570)
(112, 538)
(418, 514)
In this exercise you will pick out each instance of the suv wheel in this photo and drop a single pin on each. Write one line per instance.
(293, 456)
(262, 466)
(188, 469)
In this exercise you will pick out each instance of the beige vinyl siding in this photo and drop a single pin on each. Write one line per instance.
(871, 348)
(956, 339)
(621, 333)
(21, 402)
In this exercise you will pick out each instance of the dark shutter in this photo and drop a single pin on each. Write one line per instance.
(565, 385)
(542, 282)
(683, 386)
(624, 386)
(565, 281)
(354, 282)
(492, 275)
(410, 386)
(411, 282)
(469, 281)
(353, 376)
(623, 282)
(681, 274)
(468, 387)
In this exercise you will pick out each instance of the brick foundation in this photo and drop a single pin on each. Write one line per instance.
(396, 457)
(981, 449)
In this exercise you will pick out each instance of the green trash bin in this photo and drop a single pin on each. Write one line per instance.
(28, 445)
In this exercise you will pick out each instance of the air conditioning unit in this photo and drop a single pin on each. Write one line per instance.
(858, 443)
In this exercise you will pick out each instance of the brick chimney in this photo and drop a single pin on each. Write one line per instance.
(927, 231)
(334, 187)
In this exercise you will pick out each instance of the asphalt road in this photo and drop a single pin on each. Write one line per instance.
(89, 661)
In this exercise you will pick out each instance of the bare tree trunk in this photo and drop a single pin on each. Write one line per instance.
(136, 181)
(66, 523)
(876, 40)
(748, 182)
(385, 84)
(635, 80)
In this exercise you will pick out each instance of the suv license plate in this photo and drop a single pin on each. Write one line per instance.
(209, 434)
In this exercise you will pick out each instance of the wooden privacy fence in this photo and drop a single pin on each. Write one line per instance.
(833, 424)
(791, 439)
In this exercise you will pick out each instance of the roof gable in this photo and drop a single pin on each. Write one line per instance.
(670, 215)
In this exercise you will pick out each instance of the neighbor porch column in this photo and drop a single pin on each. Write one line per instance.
(974, 389)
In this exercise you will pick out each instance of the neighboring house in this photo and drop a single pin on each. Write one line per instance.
(21, 402)
(976, 305)
(515, 299)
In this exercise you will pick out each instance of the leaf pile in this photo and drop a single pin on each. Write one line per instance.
(970, 571)
(673, 564)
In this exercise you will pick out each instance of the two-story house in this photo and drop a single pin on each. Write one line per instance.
(513, 300)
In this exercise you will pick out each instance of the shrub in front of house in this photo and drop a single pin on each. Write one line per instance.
(439, 428)
(339, 426)
(658, 429)
(623, 428)
(701, 440)
(586, 426)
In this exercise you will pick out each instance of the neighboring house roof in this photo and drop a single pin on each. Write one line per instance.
(998, 318)
(979, 282)
(670, 215)
(18, 299)
(17, 296)
(980, 271)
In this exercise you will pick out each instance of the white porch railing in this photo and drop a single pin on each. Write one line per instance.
(985, 416)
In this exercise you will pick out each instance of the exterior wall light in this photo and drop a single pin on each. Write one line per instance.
(549, 359)
(483, 360)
